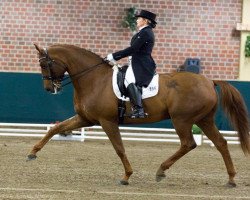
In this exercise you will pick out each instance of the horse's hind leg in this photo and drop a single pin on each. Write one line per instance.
(112, 131)
(210, 130)
(187, 144)
(67, 125)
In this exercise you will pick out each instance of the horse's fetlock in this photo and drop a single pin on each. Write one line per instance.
(162, 168)
(36, 148)
(129, 173)
(231, 174)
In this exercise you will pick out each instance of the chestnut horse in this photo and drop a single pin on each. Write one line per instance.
(186, 98)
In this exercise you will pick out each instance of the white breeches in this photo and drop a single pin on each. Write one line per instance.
(129, 77)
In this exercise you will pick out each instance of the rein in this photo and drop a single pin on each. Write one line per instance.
(75, 76)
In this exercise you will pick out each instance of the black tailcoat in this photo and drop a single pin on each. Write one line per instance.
(140, 49)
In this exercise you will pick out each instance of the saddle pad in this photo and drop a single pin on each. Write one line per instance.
(147, 92)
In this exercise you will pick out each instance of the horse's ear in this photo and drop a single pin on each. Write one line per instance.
(39, 49)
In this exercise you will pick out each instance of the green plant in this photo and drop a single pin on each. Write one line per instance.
(129, 21)
(196, 129)
(247, 47)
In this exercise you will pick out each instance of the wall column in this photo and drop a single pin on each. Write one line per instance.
(244, 27)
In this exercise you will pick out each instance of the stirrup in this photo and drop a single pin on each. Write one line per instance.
(137, 113)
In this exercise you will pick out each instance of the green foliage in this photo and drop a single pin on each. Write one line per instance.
(129, 21)
(196, 129)
(247, 47)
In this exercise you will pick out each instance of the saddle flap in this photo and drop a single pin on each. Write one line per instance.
(120, 80)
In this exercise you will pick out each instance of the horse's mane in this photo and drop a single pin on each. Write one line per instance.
(84, 51)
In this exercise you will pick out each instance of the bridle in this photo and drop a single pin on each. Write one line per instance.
(49, 64)
(54, 79)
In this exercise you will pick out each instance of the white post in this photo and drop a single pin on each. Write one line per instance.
(82, 134)
(198, 139)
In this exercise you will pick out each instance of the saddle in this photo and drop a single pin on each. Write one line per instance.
(121, 91)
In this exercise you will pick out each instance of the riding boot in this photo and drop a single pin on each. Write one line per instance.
(135, 95)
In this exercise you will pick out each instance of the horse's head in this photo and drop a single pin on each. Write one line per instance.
(52, 69)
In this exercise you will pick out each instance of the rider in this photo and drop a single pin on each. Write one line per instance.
(141, 64)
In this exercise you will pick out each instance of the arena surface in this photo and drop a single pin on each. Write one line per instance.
(91, 170)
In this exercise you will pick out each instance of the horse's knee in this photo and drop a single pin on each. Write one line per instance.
(193, 146)
(189, 147)
(222, 143)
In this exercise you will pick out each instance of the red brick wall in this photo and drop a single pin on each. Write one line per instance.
(189, 28)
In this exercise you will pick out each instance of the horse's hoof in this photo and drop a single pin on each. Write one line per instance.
(124, 182)
(231, 185)
(31, 157)
(160, 177)
(160, 174)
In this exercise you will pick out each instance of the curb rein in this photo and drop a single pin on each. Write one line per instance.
(75, 76)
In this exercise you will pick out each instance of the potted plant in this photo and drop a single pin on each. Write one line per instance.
(129, 21)
(197, 133)
(247, 47)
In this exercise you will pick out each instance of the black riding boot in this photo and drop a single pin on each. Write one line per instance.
(135, 96)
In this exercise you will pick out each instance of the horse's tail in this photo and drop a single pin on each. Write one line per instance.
(235, 108)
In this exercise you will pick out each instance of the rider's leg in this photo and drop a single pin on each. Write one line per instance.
(135, 94)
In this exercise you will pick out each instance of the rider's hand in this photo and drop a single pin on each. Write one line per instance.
(110, 59)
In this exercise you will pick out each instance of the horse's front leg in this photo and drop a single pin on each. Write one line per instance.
(112, 131)
(67, 125)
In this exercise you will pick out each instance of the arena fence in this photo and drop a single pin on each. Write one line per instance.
(96, 133)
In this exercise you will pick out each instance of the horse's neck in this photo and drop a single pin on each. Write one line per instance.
(90, 74)
(82, 60)
(85, 68)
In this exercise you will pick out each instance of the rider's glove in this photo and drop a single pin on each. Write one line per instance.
(110, 59)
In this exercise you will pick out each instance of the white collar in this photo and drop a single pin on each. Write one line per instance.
(142, 27)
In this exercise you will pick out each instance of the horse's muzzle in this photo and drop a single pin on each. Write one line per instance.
(53, 87)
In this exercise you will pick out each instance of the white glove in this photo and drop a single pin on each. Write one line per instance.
(110, 58)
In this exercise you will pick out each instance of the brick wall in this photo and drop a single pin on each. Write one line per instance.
(189, 28)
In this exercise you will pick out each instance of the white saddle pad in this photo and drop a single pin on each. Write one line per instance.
(147, 92)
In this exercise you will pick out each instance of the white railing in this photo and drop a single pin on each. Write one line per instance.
(36, 130)
(96, 133)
